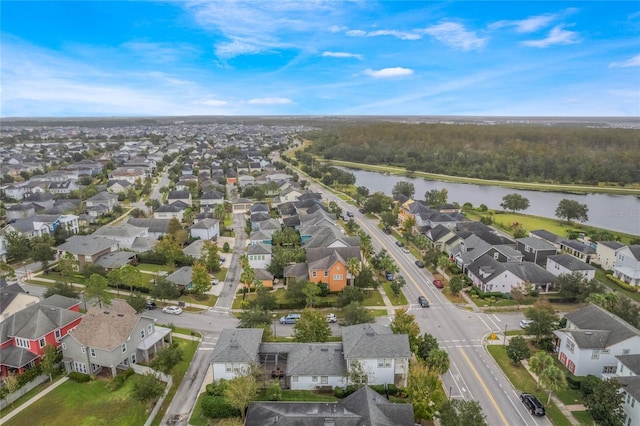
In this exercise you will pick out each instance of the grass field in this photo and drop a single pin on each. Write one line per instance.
(398, 300)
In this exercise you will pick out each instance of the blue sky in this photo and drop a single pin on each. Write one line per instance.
(520, 58)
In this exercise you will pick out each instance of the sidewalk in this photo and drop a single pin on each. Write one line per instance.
(391, 310)
(34, 399)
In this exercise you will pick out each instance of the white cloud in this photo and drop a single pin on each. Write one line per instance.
(159, 52)
(341, 55)
(336, 28)
(356, 33)
(269, 101)
(455, 35)
(388, 72)
(402, 35)
(556, 36)
(631, 62)
(527, 25)
(214, 102)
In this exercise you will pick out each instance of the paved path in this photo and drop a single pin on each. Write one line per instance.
(33, 399)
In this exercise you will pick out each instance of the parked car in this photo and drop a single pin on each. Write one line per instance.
(423, 301)
(438, 284)
(222, 259)
(214, 281)
(419, 264)
(289, 319)
(399, 244)
(389, 276)
(387, 231)
(350, 214)
(525, 323)
(406, 250)
(534, 406)
(151, 305)
(174, 310)
(332, 318)
(361, 211)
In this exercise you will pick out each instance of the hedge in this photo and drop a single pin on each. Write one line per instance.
(79, 377)
(117, 382)
(217, 407)
(483, 294)
(622, 284)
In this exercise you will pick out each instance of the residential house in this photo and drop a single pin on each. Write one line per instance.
(14, 191)
(205, 229)
(547, 236)
(265, 277)
(535, 250)
(132, 175)
(210, 199)
(628, 375)
(169, 211)
(259, 237)
(591, 340)
(24, 334)
(246, 180)
(259, 255)
(578, 250)
(490, 275)
(182, 278)
(235, 351)
(438, 236)
(124, 233)
(363, 407)
(41, 200)
(118, 186)
(14, 298)
(62, 187)
(116, 260)
(101, 203)
(194, 249)
(606, 254)
(627, 267)
(156, 228)
(20, 211)
(560, 264)
(86, 249)
(112, 337)
(473, 246)
(184, 196)
(241, 205)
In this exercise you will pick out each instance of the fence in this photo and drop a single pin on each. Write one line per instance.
(141, 369)
(11, 398)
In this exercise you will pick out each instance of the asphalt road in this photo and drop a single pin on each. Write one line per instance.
(473, 375)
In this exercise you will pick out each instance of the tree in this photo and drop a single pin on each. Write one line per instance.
(265, 299)
(377, 203)
(295, 291)
(49, 360)
(354, 266)
(167, 358)
(97, 290)
(407, 226)
(518, 349)
(425, 390)
(12, 384)
(426, 344)
(311, 291)
(539, 362)
(147, 388)
(576, 286)
(361, 192)
(349, 295)
(456, 284)
(357, 376)
(397, 284)
(240, 391)
(164, 289)
(518, 295)
(605, 403)
(570, 209)
(6, 271)
(437, 361)
(544, 319)
(129, 275)
(405, 323)
(200, 281)
(254, 317)
(43, 253)
(459, 412)
(355, 313)
(312, 327)
(169, 248)
(514, 202)
(389, 219)
(18, 247)
(137, 301)
(403, 188)
(554, 379)
(62, 289)
(435, 198)
(365, 279)
(210, 257)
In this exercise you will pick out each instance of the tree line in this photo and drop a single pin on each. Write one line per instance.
(525, 153)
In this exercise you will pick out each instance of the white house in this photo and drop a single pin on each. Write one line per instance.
(168, 211)
(124, 233)
(592, 339)
(490, 275)
(628, 375)
(560, 264)
(259, 255)
(627, 267)
(206, 229)
(235, 351)
(606, 253)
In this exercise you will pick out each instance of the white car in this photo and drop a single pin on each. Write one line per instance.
(406, 250)
(175, 310)
(214, 281)
(332, 318)
(525, 323)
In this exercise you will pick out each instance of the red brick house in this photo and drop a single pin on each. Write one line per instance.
(24, 334)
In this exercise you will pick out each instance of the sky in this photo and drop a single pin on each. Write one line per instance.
(315, 57)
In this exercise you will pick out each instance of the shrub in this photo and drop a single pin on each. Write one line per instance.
(217, 388)
(117, 382)
(622, 284)
(216, 407)
(29, 375)
(79, 377)
(275, 393)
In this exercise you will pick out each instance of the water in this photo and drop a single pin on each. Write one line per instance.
(613, 212)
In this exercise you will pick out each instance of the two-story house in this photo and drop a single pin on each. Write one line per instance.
(535, 250)
(111, 337)
(259, 255)
(210, 199)
(235, 351)
(606, 253)
(86, 249)
(592, 339)
(24, 334)
(14, 298)
(184, 196)
(627, 267)
(578, 250)
(205, 229)
(560, 264)
(628, 375)
(169, 211)
(101, 203)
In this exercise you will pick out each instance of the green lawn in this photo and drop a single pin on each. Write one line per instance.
(207, 299)
(523, 382)
(152, 268)
(197, 418)
(372, 298)
(378, 312)
(84, 404)
(602, 277)
(398, 300)
(300, 395)
(583, 417)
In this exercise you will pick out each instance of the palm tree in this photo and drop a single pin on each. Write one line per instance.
(438, 361)
(554, 379)
(219, 212)
(354, 267)
(538, 363)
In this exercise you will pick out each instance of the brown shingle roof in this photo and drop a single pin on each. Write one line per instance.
(107, 327)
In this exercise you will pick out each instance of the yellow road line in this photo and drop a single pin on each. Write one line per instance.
(486, 390)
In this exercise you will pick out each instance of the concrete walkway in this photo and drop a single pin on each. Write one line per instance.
(391, 310)
(34, 399)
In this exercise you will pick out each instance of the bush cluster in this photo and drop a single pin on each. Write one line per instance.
(622, 284)
(118, 381)
(217, 407)
(79, 377)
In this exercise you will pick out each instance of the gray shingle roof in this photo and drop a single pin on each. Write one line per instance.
(631, 384)
(316, 359)
(182, 276)
(8, 294)
(376, 410)
(536, 243)
(114, 259)
(632, 362)
(15, 357)
(571, 263)
(259, 248)
(606, 329)
(238, 345)
(86, 244)
(374, 341)
(611, 244)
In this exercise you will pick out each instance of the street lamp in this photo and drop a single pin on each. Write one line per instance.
(275, 331)
(504, 341)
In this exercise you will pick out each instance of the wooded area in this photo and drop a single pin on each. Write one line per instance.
(525, 153)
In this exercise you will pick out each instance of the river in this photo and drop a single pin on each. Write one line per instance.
(613, 212)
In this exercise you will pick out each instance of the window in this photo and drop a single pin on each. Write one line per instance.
(150, 328)
(228, 367)
(527, 249)
(58, 334)
(626, 351)
(314, 378)
(82, 349)
(123, 347)
(42, 342)
(92, 352)
(80, 367)
(325, 380)
(605, 351)
(337, 277)
(609, 369)
(314, 274)
(133, 358)
(64, 346)
(22, 343)
(294, 378)
(633, 402)
(384, 363)
(570, 345)
(496, 255)
(142, 334)
(326, 274)
(87, 258)
(595, 354)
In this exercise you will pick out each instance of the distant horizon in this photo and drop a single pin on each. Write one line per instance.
(319, 58)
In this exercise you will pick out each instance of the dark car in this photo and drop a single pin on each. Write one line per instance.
(399, 244)
(151, 305)
(389, 276)
(419, 264)
(361, 211)
(350, 214)
(387, 231)
(423, 301)
(533, 405)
